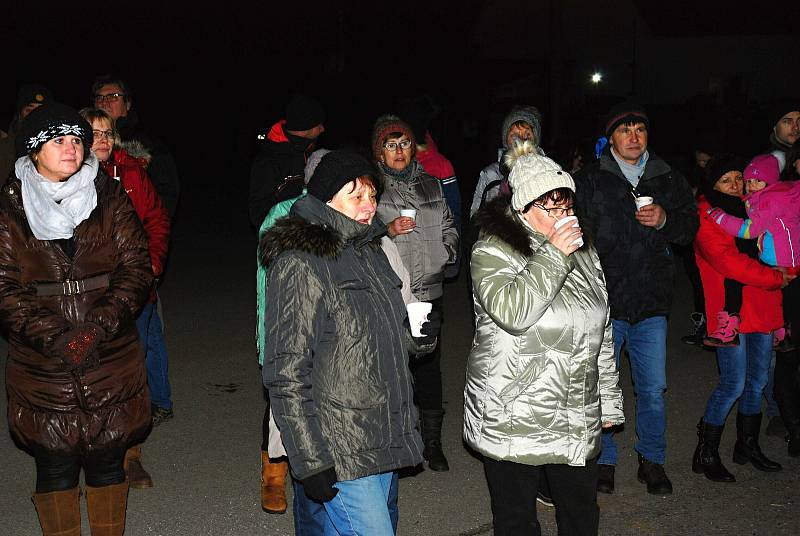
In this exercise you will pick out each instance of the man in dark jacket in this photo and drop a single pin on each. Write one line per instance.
(114, 96)
(277, 171)
(634, 249)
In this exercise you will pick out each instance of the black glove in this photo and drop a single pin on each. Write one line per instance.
(77, 348)
(430, 328)
(319, 487)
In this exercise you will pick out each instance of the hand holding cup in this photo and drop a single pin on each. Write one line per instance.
(567, 238)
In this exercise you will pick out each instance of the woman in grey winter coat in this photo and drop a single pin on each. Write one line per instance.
(427, 243)
(336, 361)
(541, 377)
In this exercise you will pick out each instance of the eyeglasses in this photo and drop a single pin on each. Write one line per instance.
(393, 145)
(556, 212)
(111, 97)
(100, 134)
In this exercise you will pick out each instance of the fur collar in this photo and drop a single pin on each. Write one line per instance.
(497, 219)
(314, 228)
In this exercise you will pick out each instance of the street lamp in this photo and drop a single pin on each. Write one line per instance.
(597, 78)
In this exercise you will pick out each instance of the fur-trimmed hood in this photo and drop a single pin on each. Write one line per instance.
(314, 228)
(497, 219)
(136, 149)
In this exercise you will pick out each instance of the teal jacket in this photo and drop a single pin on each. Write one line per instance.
(277, 211)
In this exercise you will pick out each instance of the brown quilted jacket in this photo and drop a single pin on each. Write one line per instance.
(48, 407)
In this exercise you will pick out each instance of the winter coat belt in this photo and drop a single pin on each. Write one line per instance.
(72, 286)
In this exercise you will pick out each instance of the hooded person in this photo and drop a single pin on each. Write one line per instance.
(335, 307)
(74, 273)
(277, 171)
(535, 280)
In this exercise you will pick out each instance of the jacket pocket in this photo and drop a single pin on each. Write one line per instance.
(360, 426)
(353, 294)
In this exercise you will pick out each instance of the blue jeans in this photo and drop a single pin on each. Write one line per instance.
(646, 342)
(152, 337)
(363, 506)
(743, 372)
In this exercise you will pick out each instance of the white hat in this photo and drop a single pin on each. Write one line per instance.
(533, 175)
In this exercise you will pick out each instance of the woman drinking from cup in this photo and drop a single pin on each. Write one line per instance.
(541, 375)
(74, 273)
(428, 241)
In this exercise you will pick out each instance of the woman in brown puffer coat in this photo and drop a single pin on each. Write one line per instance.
(74, 273)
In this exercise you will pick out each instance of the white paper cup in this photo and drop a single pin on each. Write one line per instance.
(409, 213)
(563, 221)
(417, 315)
(643, 201)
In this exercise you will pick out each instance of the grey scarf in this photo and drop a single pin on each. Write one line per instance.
(632, 172)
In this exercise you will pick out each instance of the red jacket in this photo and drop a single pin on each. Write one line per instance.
(146, 203)
(718, 258)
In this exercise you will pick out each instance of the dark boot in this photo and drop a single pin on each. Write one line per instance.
(432, 439)
(653, 474)
(747, 448)
(698, 330)
(605, 478)
(59, 512)
(706, 456)
(107, 506)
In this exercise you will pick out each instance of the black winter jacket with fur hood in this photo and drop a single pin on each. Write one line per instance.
(336, 363)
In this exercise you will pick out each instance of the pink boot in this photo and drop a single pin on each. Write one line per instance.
(727, 332)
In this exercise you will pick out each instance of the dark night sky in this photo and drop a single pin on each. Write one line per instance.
(218, 75)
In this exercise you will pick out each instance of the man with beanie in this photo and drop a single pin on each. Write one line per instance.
(522, 123)
(29, 97)
(785, 131)
(636, 256)
(115, 97)
(277, 172)
(351, 425)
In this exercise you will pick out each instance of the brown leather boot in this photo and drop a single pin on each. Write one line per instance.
(59, 512)
(107, 506)
(273, 484)
(137, 476)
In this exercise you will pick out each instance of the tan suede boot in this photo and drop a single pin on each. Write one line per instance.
(59, 512)
(137, 476)
(273, 484)
(107, 506)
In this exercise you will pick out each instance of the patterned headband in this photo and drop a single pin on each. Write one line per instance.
(54, 131)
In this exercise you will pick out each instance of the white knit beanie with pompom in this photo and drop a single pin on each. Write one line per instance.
(533, 175)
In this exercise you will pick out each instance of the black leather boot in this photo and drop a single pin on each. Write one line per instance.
(706, 456)
(747, 448)
(653, 474)
(432, 439)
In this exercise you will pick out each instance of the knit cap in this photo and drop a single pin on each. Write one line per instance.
(48, 122)
(385, 125)
(33, 94)
(717, 167)
(303, 113)
(763, 167)
(528, 114)
(533, 175)
(336, 169)
(624, 113)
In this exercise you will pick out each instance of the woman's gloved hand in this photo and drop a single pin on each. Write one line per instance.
(319, 487)
(430, 328)
(77, 348)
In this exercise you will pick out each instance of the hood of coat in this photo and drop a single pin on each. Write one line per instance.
(496, 218)
(315, 228)
(135, 149)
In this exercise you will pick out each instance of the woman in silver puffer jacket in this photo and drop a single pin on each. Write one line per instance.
(541, 377)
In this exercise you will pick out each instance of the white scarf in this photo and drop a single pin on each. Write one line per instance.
(54, 209)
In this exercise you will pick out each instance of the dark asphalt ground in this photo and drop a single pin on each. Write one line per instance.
(205, 462)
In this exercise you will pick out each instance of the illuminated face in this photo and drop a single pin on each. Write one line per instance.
(543, 217)
(396, 153)
(629, 142)
(59, 158)
(103, 139)
(787, 129)
(357, 200)
(111, 99)
(753, 185)
(730, 183)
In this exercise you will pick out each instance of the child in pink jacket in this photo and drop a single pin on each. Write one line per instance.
(773, 209)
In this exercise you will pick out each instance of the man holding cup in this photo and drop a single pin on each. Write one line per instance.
(634, 205)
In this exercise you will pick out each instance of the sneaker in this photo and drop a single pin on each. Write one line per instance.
(544, 499)
(654, 476)
(161, 415)
(698, 330)
(727, 332)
